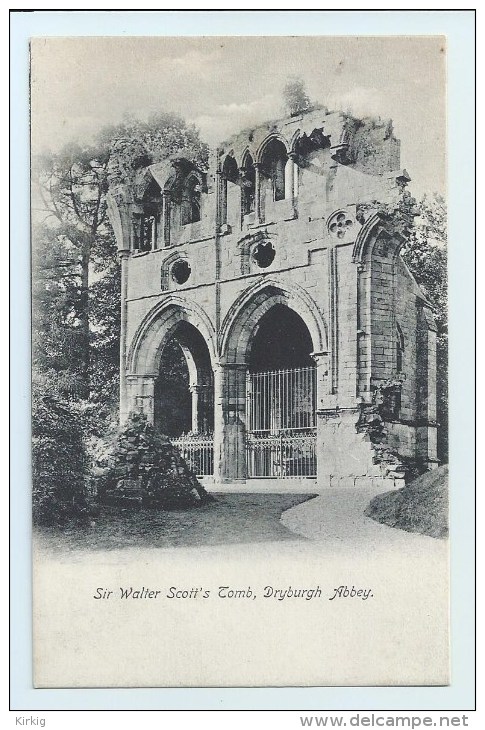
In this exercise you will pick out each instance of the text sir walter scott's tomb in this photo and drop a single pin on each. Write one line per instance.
(309, 350)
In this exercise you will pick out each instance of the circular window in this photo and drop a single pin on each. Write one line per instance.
(264, 254)
(339, 223)
(181, 271)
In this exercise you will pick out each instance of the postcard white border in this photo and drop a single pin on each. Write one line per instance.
(458, 26)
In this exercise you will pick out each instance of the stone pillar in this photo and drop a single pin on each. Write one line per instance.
(324, 401)
(222, 199)
(141, 394)
(230, 422)
(257, 192)
(153, 234)
(166, 207)
(432, 409)
(295, 176)
(426, 412)
(289, 178)
(124, 256)
(195, 391)
(322, 360)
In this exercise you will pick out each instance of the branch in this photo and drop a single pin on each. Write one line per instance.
(56, 209)
(73, 199)
(48, 209)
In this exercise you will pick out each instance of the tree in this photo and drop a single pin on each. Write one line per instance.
(74, 247)
(135, 144)
(76, 298)
(296, 98)
(71, 187)
(58, 455)
(425, 254)
(57, 336)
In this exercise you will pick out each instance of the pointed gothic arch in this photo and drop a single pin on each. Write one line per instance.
(241, 321)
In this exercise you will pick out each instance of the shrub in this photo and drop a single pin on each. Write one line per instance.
(58, 457)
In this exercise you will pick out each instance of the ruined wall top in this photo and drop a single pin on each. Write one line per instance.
(367, 144)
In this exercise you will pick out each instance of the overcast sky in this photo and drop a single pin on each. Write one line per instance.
(229, 83)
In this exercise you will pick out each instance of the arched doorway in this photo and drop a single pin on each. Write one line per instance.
(173, 400)
(184, 397)
(281, 398)
(184, 388)
(267, 382)
(170, 378)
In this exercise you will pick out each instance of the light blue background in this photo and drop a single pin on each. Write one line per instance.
(458, 26)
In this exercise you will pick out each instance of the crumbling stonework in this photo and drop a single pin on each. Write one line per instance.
(146, 470)
(308, 213)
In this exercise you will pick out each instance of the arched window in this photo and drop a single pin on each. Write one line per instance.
(248, 185)
(230, 176)
(146, 225)
(229, 169)
(273, 164)
(191, 200)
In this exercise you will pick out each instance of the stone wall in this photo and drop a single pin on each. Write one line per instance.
(336, 262)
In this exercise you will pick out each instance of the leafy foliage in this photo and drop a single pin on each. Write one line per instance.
(70, 210)
(135, 144)
(58, 456)
(57, 345)
(76, 298)
(425, 254)
(296, 98)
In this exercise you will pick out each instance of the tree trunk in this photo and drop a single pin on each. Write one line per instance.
(84, 317)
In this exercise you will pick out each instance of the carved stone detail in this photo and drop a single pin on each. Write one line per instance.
(340, 223)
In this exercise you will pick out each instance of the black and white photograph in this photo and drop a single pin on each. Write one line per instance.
(239, 361)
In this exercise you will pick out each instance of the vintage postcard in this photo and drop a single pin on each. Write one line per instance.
(240, 401)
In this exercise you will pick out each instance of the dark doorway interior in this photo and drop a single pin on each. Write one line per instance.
(184, 390)
(173, 401)
(281, 342)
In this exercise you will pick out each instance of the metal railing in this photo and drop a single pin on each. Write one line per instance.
(282, 399)
(285, 455)
(198, 452)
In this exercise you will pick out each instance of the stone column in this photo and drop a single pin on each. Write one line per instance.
(291, 178)
(141, 394)
(124, 256)
(166, 207)
(221, 188)
(153, 234)
(432, 405)
(293, 157)
(230, 422)
(325, 401)
(322, 360)
(257, 192)
(195, 391)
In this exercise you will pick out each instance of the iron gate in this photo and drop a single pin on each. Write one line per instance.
(198, 452)
(281, 433)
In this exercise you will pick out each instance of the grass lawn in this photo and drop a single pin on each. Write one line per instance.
(421, 506)
(231, 519)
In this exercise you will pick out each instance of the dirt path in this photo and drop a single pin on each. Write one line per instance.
(237, 525)
(336, 518)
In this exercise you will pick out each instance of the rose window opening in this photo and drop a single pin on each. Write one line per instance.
(180, 272)
(339, 224)
(264, 254)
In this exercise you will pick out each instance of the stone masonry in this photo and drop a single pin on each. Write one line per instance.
(309, 212)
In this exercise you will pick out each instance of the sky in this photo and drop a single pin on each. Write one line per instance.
(225, 84)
